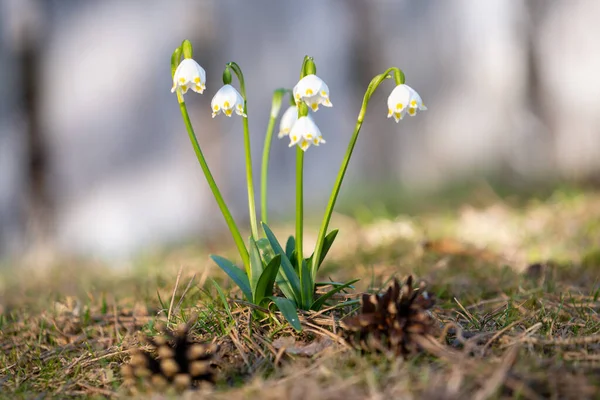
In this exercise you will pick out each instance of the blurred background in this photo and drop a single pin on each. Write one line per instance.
(95, 160)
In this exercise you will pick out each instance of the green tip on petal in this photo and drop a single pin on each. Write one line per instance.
(186, 46)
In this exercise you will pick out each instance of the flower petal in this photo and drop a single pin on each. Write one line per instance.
(313, 91)
(305, 132)
(288, 119)
(228, 99)
(189, 75)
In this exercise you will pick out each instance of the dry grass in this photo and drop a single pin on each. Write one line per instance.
(518, 300)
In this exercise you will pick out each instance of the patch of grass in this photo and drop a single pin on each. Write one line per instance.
(517, 291)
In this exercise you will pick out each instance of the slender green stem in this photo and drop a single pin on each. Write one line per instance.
(235, 232)
(399, 78)
(264, 175)
(299, 201)
(249, 174)
(249, 179)
(299, 210)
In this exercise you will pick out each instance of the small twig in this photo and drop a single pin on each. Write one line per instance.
(184, 293)
(117, 336)
(255, 345)
(238, 345)
(278, 356)
(563, 341)
(524, 336)
(470, 316)
(3, 370)
(498, 377)
(104, 392)
(115, 353)
(251, 305)
(173, 295)
(325, 332)
(501, 332)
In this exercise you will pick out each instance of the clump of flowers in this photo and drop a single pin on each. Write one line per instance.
(266, 262)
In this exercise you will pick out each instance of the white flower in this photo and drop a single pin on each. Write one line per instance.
(402, 100)
(305, 133)
(189, 75)
(227, 99)
(289, 118)
(313, 91)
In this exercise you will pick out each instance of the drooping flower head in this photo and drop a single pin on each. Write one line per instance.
(227, 100)
(305, 133)
(289, 118)
(313, 91)
(189, 75)
(402, 100)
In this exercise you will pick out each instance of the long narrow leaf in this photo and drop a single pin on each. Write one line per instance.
(284, 285)
(237, 275)
(256, 265)
(265, 249)
(321, 300)
(264, 287)
(290, 246)
(288, 271)
(267, 253)
(327, 243)
(306, 285)
(288, 309)
(223, 298)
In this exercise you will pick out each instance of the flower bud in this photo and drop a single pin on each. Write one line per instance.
(186, 47)
(226, 76)
(175, 59)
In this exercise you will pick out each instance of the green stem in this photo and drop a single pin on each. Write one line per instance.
(235, 232)
(375, 82)
(249, 174)
(249, 179)
(299, 209)
(265, 169)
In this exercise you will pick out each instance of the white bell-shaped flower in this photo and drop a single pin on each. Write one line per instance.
(227, 100)
(305, 133)
(189, 75)
(288, 119)
(313, 91)
(403, 100)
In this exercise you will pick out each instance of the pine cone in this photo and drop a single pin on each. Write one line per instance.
(391, 321)
(181, 363)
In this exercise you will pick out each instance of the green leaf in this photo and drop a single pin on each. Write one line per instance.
(327, 243)
(307, 286)
(267, 253)
(289, 274)
(294, 261)
(265, 249)
(321, 300)
(288, 309)
(237, 275)
(223, 298)
(256, 265)
(290, 246)
(264, 287)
